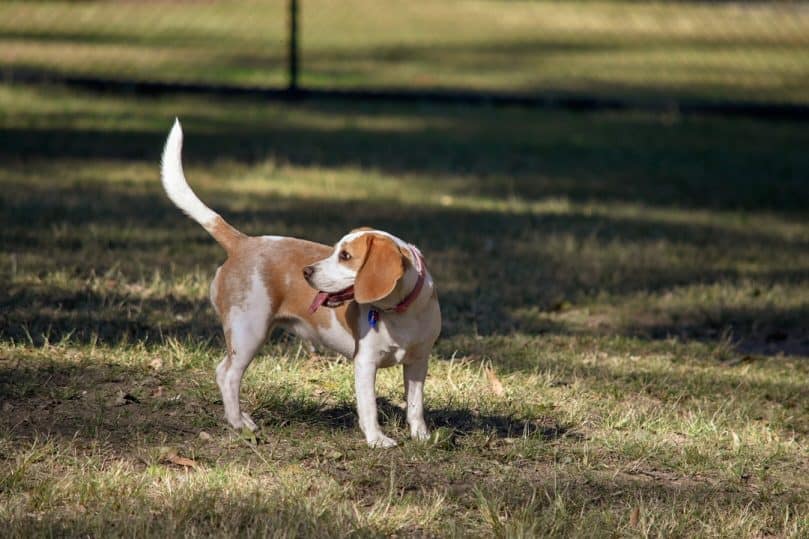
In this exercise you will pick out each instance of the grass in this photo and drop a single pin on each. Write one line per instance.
(639, 50)
(636, 283)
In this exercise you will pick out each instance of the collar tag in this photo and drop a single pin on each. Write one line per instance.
(373, 318)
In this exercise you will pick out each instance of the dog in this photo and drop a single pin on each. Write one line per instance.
(381, 305)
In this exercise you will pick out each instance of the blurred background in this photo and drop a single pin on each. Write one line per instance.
(637, 51)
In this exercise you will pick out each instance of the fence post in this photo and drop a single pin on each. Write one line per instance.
(292, 59)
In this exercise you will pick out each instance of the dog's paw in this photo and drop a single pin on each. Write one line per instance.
(420, 432)
(381, 441)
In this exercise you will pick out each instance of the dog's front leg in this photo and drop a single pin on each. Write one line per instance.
(414, 375)
(364, 383)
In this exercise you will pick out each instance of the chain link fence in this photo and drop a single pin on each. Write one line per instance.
(710, 52)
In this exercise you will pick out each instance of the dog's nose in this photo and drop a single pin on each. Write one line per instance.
(307, 272)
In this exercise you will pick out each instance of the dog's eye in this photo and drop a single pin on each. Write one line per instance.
(344, 255)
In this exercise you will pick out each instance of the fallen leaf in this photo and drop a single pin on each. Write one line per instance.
(634, 517)
(494, 383)
(169, 455)
(182, 461)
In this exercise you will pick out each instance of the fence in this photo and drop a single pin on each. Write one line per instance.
(710, 54)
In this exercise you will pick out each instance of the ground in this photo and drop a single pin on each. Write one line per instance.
(624, 348)
(625, 299)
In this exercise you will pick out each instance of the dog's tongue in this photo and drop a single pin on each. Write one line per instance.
(319, 300)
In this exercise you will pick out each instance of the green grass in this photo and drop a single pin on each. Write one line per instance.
(639, 50)
(638, 283)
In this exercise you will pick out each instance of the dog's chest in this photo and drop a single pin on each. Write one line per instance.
(335, 337)
(389, 336)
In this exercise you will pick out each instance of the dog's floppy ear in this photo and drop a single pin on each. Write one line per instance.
(382, 268)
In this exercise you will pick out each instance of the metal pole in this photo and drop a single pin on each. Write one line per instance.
(292, 87)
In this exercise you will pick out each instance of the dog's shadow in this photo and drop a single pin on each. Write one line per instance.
(458, 422)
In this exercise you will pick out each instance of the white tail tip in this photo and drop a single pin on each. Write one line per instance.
(174, 179)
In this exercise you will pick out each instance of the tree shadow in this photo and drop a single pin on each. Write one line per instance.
(428, 65)
(479, 294)
(492, 265)
(52, 314)
(114, 402)
(104, 401)
(497, 153)
(72, 402)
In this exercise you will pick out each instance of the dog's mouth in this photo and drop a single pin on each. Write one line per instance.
(331, 299)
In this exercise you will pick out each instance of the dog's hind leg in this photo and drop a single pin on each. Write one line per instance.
(246, 328)
(245, 337)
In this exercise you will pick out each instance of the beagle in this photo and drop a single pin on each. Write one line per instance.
(381, 306)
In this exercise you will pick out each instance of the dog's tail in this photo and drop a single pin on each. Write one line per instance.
(180, 193)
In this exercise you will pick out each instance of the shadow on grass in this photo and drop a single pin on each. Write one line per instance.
(107, 402)
(113, 403)
(492, 266)
(492, 59)
(71, 403)
(496, 153)
(278, 410)
(50, 314)
(535, 503)
(465, 249)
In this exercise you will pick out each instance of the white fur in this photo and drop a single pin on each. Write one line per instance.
(398, 339)
(175, 184)
(248, 323)
(332, 276)
(336, 338)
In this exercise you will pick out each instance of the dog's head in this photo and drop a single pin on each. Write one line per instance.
(365, 265)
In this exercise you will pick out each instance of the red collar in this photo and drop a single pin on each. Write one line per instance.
(411, 297)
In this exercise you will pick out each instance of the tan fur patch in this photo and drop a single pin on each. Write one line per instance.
(283, 261)
(358, 249)
(224, 233)
(280, 262)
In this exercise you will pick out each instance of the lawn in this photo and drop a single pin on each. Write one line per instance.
(624, 352)
(756, 51)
